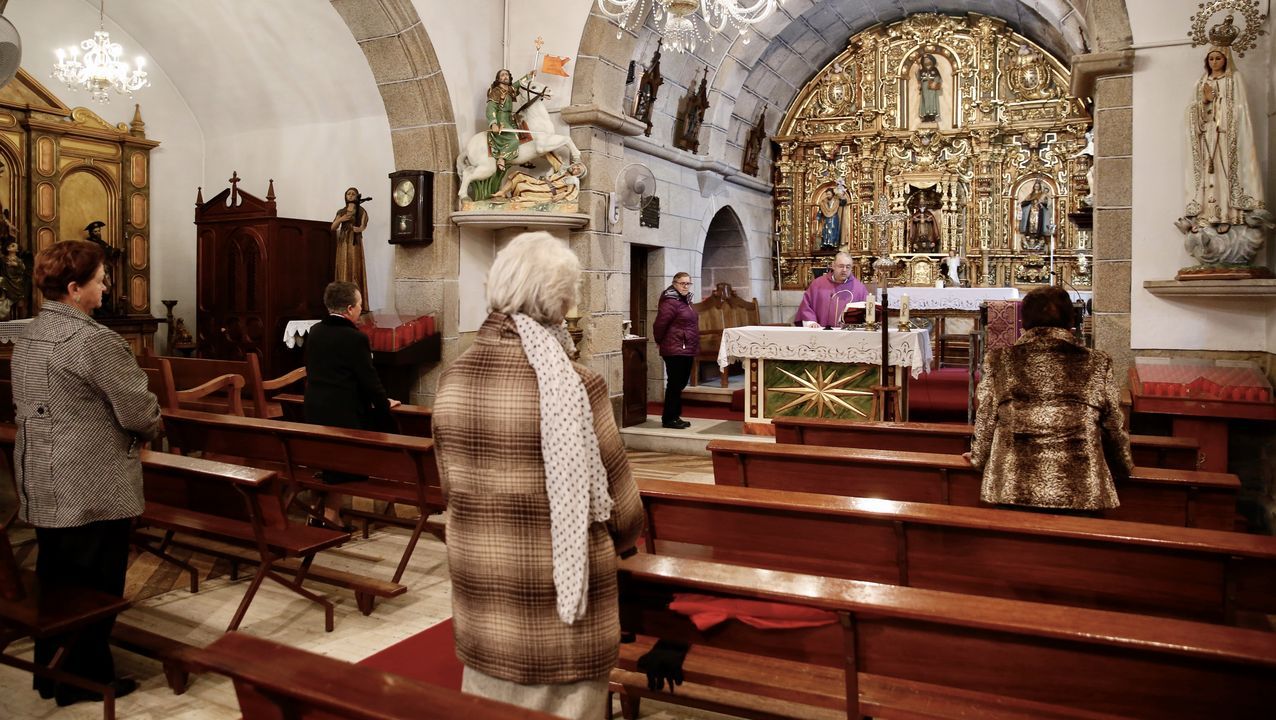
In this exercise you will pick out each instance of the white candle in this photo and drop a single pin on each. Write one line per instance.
(903, 308)
(870, 311)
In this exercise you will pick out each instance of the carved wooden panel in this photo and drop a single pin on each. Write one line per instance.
(45, 197)
(138, 252)
(137, 210)
(43, 238)
(137, 169)
(45, 155)
(90, 148)
(138, 296)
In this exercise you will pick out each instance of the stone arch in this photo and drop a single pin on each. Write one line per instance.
(725, 257)
(423, 136)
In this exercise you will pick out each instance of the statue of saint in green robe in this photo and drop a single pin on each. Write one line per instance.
(501, 117)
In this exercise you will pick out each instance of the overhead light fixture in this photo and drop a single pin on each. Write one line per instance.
(679, 23)
(100, 70)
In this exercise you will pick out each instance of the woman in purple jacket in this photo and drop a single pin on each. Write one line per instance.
(677, 332)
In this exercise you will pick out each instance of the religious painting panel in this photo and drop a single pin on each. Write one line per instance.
(818, 389)
(85, 198)
(937, 127)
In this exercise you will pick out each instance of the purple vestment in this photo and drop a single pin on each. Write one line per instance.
(824, 300)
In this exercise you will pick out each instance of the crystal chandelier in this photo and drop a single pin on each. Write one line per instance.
(680, 25)
(100, 69)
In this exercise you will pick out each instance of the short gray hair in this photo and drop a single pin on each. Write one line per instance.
(536, 274)
(841, 255)
(339, 296)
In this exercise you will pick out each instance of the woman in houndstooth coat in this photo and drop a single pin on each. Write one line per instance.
(83, 413)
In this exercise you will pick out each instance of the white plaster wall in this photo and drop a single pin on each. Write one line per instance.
(1164, 77)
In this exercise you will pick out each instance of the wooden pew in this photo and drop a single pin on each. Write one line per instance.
(1203, 575)
(401, 469)
(159, 380)
(278, 681)
(1159, 451)
(414, 420)
(195, 373)
(1151, 495)
(910, 652)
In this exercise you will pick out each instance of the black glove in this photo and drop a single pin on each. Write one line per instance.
(663, 664)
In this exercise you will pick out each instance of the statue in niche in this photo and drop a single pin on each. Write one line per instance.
(15, 281)
(828, 218)
(695, 105)
(110, 296)
(753, 146)
(922, 229)
(502, 119)
(929, 85)
(349, 224)
(1223, 180)
(1035, 216)
(648, 87)
(562, 186)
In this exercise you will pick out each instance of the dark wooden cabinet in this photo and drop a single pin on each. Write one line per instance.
(257, 271)
(633, 356)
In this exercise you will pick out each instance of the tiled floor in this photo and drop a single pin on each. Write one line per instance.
(162, 604)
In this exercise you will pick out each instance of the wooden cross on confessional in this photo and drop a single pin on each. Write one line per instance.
(234, 186)
(883, 218)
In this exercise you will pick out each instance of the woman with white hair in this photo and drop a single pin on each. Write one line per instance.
(536, 510)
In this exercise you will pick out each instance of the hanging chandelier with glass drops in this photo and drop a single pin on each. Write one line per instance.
(681, 26)
(100, 70)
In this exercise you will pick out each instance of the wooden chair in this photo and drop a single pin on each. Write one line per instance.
(29, 610)
(159, 379)
(278, 681)
(194, 375)
(712, 323)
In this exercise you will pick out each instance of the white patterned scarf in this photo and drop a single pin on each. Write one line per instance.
(575, 478)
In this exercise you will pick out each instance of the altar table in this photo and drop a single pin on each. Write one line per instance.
(805, 372)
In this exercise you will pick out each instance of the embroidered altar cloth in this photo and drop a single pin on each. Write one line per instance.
(907, 349)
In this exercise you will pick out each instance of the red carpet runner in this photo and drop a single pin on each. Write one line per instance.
(428, 656)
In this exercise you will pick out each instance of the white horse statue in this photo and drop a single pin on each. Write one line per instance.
(475, 163)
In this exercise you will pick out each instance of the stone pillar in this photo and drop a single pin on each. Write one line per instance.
(1107, 77)
(601, 247)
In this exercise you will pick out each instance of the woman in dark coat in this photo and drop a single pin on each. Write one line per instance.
(677, 332)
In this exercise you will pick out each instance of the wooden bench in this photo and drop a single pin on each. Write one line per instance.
(414, 420)
(1203, 575)
(278, 681)
(1149, 450)
(1168, 497)
(29, 610)
(400, 469)
(193, 373)
(236, 505)
(159, 380)
(916, 653)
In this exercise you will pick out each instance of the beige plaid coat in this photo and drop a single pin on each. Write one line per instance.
(487, 440)
(1049, 416)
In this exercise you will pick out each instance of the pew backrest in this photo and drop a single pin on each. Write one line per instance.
(412, 420)
(1090, 660)
(1205, 575)
(1169, 497)
(1148, 450)
(274, 680)
(192, 373)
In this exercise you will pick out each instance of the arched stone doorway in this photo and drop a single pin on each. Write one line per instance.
(726, 254)
(423, 134)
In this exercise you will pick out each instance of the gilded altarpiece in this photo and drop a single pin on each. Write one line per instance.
(960, 123)
(64, 168)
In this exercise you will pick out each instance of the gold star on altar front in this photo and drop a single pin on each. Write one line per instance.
(823, 391)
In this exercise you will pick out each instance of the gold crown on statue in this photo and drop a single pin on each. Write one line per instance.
(1226, 34)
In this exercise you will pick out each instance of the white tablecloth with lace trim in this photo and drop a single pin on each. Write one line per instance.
(295, 332)
(960, 299)
(907, 349)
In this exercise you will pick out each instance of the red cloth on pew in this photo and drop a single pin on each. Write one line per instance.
(706, 611)
(939, 395)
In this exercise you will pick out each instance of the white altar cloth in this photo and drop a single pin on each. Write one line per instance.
(961, 299)
(907, 349)
(295, 332)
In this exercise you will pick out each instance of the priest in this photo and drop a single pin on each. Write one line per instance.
(829, 293)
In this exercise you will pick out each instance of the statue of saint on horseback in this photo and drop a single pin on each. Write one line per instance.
(516, 135)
